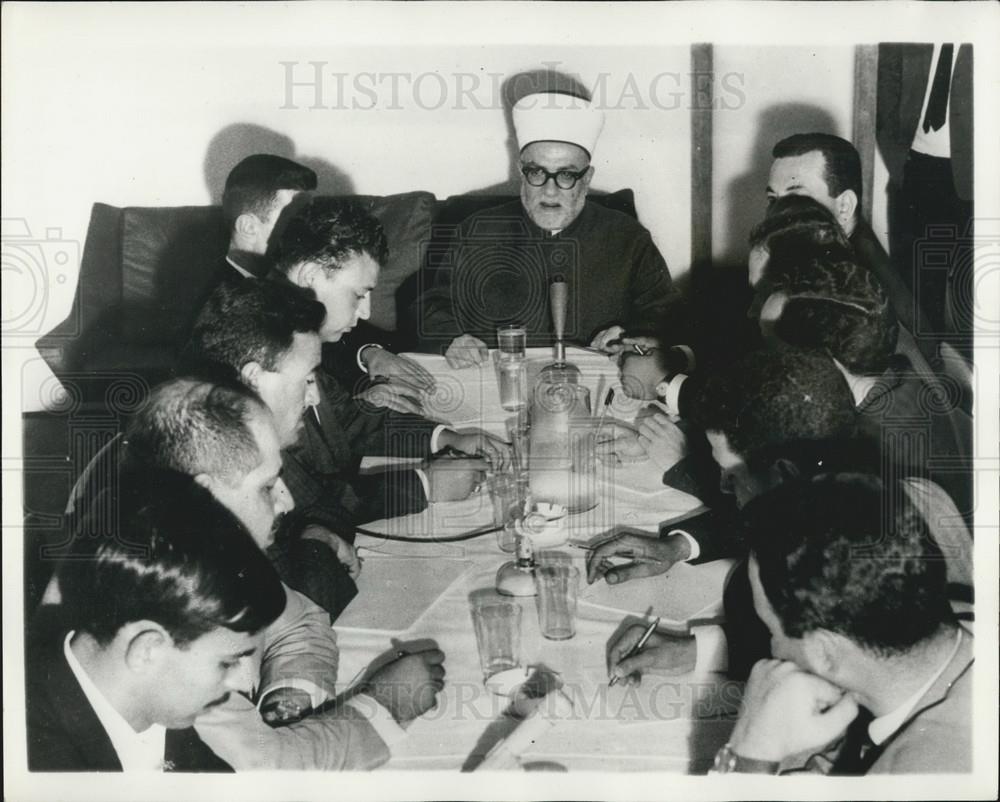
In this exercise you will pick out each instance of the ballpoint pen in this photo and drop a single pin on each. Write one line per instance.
(604, 413)
(638, 647)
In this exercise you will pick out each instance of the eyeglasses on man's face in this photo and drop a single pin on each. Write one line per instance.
(565, 179)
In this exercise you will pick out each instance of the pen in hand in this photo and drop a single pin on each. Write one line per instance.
(637, 648)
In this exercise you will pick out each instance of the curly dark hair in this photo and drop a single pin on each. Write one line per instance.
(862, 341)
(249, 321)
(842, 169)
(840, 307)
(776, 396)
(845, 553)
(328, 230)
(801, 218)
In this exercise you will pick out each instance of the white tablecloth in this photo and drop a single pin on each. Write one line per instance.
(412, 593)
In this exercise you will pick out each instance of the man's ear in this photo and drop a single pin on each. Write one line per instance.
(251, 374)
(306, 274)
(205, 480)
(246, 225)
(847, 205)
(823, 651)
(146, 642)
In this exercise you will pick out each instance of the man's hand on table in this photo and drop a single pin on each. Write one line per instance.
(618, 442)
(640, 373)
(648, 556)
(345, 551)
(478, 442)
(400, 370)
(408, 686)
(285, 706)
(396, 395)
(452, 479)
(662, 438)
(786, 711)
(662, 654)
(466, 351)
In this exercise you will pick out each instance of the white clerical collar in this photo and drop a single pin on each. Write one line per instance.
(879, 729)
(137, 751)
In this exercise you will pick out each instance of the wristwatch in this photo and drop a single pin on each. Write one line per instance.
(728, 762)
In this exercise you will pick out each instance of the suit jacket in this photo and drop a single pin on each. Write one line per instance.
(903, 73)
(935, 738)
(748, 640)
(300, 644)
(322, 468)
(64, 733)
(871, 254)
(937, 735)
(905, 409)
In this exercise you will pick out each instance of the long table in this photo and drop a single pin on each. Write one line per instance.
(411, 593)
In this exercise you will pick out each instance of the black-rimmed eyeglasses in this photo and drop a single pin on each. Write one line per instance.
(565, 179)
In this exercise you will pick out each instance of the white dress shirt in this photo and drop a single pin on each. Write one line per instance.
(137, 751)
(935, 143)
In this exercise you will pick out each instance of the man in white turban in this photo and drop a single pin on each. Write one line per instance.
(504, 259)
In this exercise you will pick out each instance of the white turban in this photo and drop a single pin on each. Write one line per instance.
(557, 117)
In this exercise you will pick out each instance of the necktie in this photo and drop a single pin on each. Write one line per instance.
(937, 103)
(854, 756)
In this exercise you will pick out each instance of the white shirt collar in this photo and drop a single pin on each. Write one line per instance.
(879, 729)
(242, 271)
(137, 751)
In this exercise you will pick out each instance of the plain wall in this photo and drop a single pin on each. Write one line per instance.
(787, 90)
(126, 117)
(138, 114)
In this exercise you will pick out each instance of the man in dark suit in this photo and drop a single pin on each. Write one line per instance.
(266, 335)
(260, 191)
(924, 129)
(774, 415)
(159, 622)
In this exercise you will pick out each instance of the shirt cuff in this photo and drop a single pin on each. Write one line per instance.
(692, 544)
(381, 719)
(434, 437)
(713, 652)
(670, 392)
(361, 350)
(316, 694)
(422, 476)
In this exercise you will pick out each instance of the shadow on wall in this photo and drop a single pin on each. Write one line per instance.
(237, 141)
(744, 199)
